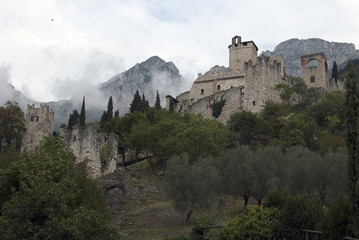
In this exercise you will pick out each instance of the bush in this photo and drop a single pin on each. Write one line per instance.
(253, 223)
(298, 213)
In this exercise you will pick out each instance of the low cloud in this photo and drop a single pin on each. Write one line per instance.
(6, 90)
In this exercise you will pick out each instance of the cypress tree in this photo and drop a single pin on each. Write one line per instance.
(135, 101)
(83, 114)
(352, 138)
(109, 109)
(103, 119)
(335, 73)
(74, 119)
(158, 101)
(117, 114)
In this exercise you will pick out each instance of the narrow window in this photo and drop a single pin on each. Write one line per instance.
(202, 91)
(254, 103)
(312, 79)
(231, 86)
(219, 87)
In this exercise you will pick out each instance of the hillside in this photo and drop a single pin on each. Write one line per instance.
(141, 209)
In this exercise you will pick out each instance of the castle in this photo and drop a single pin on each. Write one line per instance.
(248, 83)
(86, 144)
(39, 122)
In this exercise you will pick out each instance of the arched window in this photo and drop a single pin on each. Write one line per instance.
(312, 79)
(219, 87)
(312, 63)
(202, 91)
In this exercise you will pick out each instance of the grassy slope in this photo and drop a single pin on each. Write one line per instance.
(146, 213)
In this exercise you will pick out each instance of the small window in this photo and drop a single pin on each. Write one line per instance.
(231, 86)
(254, 103)
(244, 44)
(312, 79)
(219, 87)
(202, 91)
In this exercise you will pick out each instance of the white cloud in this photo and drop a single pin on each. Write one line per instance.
(54, 44)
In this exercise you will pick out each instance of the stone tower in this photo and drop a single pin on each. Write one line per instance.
(241, 52)
(39, 122)
(315, 70)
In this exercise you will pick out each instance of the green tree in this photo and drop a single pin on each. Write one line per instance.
(158, 101)
(190, 186)
(43, 198)
(109, 109)
(336, 222)
(83, 114)
(335, 73)
(12, 125)
(253, 223)
(298, 213)
(239, 161)
(249, 127)
(352, 137)
(135, 102)
(74, 119)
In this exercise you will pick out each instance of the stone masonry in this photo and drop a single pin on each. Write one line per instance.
(247, 85)
(86, 145)
(39, 122)
(249, 82)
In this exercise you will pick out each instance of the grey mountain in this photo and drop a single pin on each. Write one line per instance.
(294, 48)
(146, 77)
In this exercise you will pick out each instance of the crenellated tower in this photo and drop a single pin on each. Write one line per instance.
(39, 122)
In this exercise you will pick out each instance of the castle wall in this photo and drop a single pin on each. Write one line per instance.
(249, 91)
(86, 144)
(39, 122)
(315, 75)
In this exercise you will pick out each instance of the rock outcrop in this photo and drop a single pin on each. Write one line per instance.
(294, 48)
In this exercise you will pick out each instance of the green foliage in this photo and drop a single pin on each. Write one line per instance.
(250, 127)
(277, 199)
(12, 125)
(352, 137)
(287, 93)
(218, 106)
(74, 119)
(190, 186)
(83, 114)
(336, 222)
(254, 223)
(204, 221)
(43, 198)
(109, 109)
(298, 213)
(158, 101)
(135, 102)
(106, 155)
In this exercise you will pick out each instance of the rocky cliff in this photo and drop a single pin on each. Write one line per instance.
(146, 77)
(294, 48)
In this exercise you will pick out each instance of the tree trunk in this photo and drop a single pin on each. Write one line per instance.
(122, 151)
(246, 198)
(189, 214)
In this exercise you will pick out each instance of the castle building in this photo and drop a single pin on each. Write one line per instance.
(247, 84)
(39, 122)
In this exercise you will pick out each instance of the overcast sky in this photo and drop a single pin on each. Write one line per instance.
(50, 48)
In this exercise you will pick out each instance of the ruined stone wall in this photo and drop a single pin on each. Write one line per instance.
(86, 145)
(315, 70)
(39, 122)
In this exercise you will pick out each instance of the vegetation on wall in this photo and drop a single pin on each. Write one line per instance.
(106, 155)
(217, 107)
